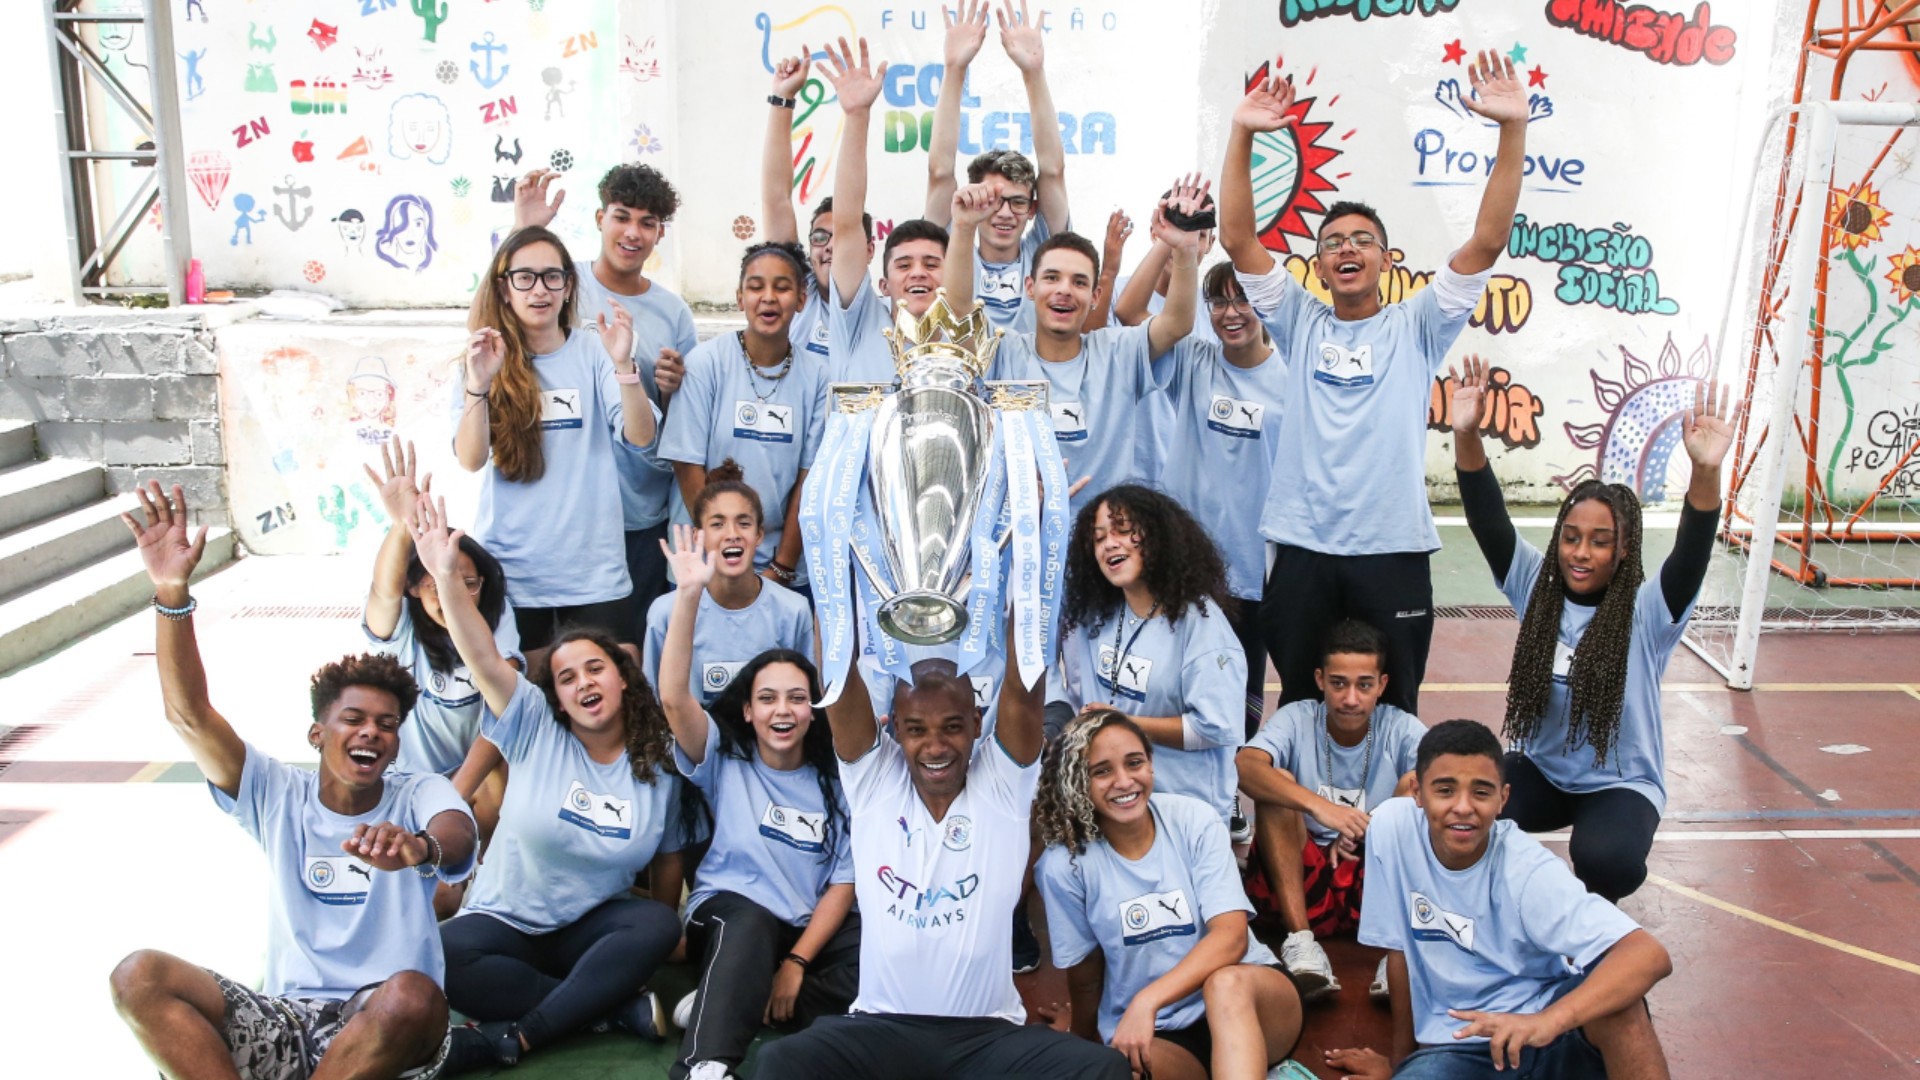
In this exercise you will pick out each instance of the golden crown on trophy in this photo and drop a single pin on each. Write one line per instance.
(969, 340)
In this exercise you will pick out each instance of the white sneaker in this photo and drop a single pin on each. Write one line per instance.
(683, 1013)
(1308, 962)
(709, 1070)
(1378, 991)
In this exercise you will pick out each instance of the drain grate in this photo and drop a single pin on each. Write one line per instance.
(298, 611)
(1473, 611)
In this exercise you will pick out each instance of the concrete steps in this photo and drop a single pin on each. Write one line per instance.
(67, 563)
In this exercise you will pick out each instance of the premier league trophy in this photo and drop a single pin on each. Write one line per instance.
(932, 487)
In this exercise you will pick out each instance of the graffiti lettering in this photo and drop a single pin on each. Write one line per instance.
(1891, 436)
(323, 98)
(1663, 37)
(246, 133)
(1609, 267)
(580, 43)
(494, 112)
(1513, 411)
(275, 517)
(370, 7)
(911, 88)
(1295, 12)
(1504, 307)
(1438, 163)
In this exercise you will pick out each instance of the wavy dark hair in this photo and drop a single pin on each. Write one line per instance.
(1181, 563)
(737, 740)
(649, 740)
(433, 638)
(1597, 683)
(1063, 806)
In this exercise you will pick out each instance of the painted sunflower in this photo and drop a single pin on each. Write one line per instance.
(1856, 215)
(1903, 273)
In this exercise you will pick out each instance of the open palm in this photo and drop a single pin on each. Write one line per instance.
(1496, 91)
(688, 558)
(1708, 430)
(161, 534)
(1469, 396)
(1265, 106)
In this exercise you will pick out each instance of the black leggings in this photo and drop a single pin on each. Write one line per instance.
(1612, 828)
(1244, 617)
(540, 625)
(558, 982)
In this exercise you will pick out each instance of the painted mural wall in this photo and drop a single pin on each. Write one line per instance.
(364, 150)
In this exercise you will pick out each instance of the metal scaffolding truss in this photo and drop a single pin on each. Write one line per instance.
(96, 232)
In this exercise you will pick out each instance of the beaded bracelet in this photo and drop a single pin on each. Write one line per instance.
(179, 614)
(426, 869)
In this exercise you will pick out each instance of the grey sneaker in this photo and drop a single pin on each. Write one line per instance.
(1312, 971)
(1378, 989)
(709, 1070)
(683, 1012)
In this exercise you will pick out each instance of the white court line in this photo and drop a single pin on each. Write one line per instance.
(1764, 834)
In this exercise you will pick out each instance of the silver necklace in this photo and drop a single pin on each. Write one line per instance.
(1326, 757)
(753, 371)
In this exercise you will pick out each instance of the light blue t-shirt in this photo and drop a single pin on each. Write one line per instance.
(810, 331)
(1155, 443)
(446, 718)
(1497, 936)
(859, 349)
(1193, 669)
(1350, 478)
(1001, 288)
(661, 320)
(1145, 916)
(573, 832)
(724, 640)
(1296, 738)
(769, 833)
(1216, 434)
(1637, 759)
(1096, 402)
(334, 923)
(771, 428)
(557, 537)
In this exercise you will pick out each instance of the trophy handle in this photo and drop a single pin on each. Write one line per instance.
(879, 583)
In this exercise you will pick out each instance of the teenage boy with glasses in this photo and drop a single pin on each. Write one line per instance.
(1347, 509)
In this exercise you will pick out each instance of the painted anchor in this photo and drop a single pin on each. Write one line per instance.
(488, 48)
(295, 216)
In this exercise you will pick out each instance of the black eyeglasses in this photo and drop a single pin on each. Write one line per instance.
(1019, 204)
(554, 279)
(820, 237)
(1218, 304)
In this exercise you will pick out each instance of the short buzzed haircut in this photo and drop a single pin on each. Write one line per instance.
(1467, 738)
(1070, 241)
(1347, 206)
(912, 229)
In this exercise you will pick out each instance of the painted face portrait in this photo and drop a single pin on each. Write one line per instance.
(420, 126)
(353, 228)
(406, 234)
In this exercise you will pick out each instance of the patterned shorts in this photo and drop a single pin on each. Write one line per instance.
(284, 1038)
(1332, 892)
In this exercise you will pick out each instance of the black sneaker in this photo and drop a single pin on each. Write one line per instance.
(1026, 947)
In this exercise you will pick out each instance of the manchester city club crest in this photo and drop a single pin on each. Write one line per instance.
(320, 874)
(957, 834)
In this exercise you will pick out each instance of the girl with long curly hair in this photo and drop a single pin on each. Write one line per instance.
(1146, 634)
(1148, 917)
(770, 915)
(548, 415)
(551, 940)
(1583, 700)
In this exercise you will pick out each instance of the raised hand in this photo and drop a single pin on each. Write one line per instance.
(438, 548)
(1119, 227)
(668, 370)
(973, 204)
(1022, 37)
(616, 335)
(1265, 106)
(387, 846)
(1469, 395)
(1707, 429)
(486, 355)
(790, 74)
(692, 564)
(162, 536)
(531, 205)
(966, 32)
(401, 485)
(1496, 92)
(856, 85)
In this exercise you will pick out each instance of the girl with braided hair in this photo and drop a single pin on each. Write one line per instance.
(1148, 917)
(1583, 704)
(1146, 634)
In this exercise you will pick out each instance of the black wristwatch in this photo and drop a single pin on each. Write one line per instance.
(779, 102)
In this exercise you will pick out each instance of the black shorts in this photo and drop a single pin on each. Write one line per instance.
(1198, 1039)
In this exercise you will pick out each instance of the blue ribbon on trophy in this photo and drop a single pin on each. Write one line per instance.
(942, 471)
